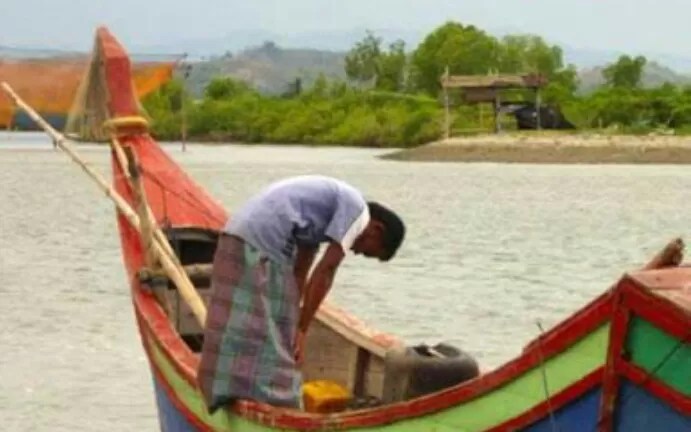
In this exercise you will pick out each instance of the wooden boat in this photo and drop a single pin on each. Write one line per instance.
(620, 363)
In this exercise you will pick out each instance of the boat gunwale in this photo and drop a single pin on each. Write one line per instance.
(184, 361)
(658, 309)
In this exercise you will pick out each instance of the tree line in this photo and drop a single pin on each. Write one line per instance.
(391, 97)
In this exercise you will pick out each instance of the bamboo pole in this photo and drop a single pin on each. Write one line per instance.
(147, 237)
(177, 275)
(124, 166)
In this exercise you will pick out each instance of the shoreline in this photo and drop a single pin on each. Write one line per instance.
(524, 147)
(553, 149)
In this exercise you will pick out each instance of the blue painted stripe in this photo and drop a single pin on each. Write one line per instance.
(640, 411)
(578, 416)
(170, 419)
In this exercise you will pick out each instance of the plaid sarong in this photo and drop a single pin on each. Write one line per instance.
(250, 330)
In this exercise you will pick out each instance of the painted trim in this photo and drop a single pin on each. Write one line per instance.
(555, 402)
(658, 352)
(617, 340)
(641, 411)
(153, 321)
(186, 395)
(583, 321)
(419, 407)
(658, 310)
(169, 417)
(165, 384)
(371, 418)
(177, 403)
(643, 379)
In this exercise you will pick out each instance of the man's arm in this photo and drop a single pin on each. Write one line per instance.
(319, 284)
(303, 263)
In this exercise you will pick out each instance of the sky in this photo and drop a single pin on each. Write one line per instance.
(625, 25)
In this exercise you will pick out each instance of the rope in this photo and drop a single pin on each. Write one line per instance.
(193, 201)
(552, 420)
(651, 374)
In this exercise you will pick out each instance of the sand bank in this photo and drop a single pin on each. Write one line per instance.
(554, 149)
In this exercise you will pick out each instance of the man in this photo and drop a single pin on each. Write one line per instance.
(264, 298)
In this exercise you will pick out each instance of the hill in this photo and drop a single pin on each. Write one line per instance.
(654, 75)
(272, 69)
(269, 68)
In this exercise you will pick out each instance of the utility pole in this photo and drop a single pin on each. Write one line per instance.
(447, 114)
(187, 68)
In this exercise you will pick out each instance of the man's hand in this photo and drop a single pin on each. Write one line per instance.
(300, 347)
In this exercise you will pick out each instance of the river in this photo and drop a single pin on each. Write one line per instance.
(491, 250)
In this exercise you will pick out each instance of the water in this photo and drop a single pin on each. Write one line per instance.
(490, 249)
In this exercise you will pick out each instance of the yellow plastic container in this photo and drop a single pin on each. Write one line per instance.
(324, 396)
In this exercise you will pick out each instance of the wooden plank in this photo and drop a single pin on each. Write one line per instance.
(493, 81)
(356, 331)
(359, 371)
(480, 95)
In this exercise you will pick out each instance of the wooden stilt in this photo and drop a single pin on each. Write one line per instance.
(537, 107)
(497, 112)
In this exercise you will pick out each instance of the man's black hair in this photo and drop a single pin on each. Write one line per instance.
(394, 229)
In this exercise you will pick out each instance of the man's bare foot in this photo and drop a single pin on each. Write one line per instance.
(670, 256)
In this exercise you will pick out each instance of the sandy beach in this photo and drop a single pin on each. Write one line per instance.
(554, 149)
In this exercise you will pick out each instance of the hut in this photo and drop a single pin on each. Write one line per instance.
(489, 89)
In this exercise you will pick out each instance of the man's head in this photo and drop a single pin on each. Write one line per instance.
(382, 236)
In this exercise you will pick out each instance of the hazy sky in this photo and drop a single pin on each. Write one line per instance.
(628, 25)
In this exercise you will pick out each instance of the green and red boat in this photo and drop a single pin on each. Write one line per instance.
(620, 363)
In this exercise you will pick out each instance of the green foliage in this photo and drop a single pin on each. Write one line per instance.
(626, 72)
(392, 68)
(164, 106)
(226, 88)
(368, 64)
(395, 99)
(632, 109)
(362, 62)
(465, 50)
(529, 54)
(327, 113)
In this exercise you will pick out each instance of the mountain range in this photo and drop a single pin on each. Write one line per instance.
(343, 40)
(273, 69)
(271, 61)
